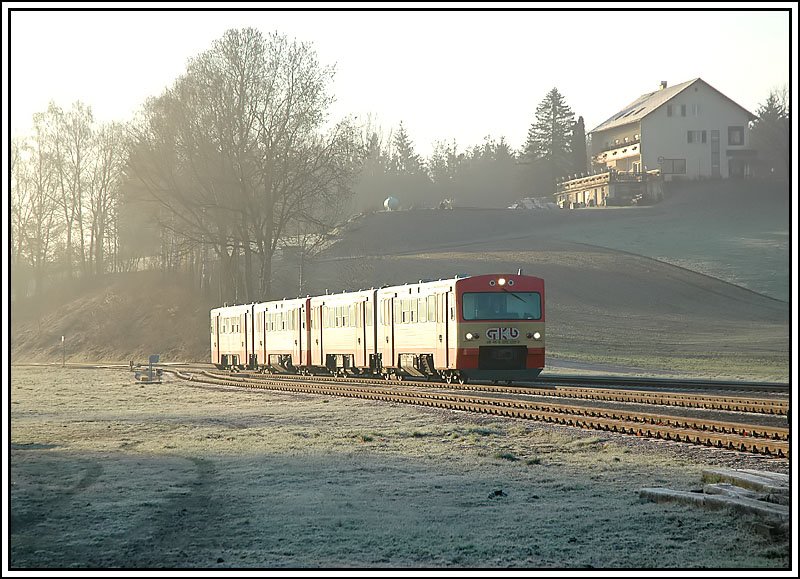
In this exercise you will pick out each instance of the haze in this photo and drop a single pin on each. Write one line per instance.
(447, 75)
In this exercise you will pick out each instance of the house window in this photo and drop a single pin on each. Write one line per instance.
(696, 110)
(683, 110)
(736, 135)
(695, 136)
(673, 167)
(669, 110)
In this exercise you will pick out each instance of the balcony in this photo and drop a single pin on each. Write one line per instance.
(620, 152)
(632, 140)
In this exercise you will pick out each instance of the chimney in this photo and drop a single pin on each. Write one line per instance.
(663, 85)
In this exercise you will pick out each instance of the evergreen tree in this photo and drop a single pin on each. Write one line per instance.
(578, 146)
(549, 137)
(408, 177)
(771, 134)
(404, 159)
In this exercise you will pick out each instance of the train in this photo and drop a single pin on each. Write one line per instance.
(482, 328)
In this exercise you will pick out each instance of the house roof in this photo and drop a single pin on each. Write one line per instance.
(649, 102)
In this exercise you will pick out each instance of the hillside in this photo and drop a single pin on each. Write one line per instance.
(122, 317)
(697, 285)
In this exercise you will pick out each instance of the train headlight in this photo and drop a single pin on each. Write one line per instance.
(472, 336)
(534, 335)
(501, 281)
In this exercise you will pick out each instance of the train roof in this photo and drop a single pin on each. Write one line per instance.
(421, 287)
(342, 297)
(424, 287)
(232, 310)
(280, 305)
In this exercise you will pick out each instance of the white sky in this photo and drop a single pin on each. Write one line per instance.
(448, 75)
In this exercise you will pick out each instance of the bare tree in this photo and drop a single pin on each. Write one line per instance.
(236, 151)
(68, 138)
(33, 211)
(107, 164)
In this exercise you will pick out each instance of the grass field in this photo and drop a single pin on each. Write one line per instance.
(107, 473)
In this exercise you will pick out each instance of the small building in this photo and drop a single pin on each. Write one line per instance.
(690, 130)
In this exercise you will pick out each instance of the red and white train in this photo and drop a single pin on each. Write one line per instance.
(484, 327)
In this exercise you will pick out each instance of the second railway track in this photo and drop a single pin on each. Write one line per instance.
(772, 440)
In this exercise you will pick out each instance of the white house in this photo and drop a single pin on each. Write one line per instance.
(689, 130)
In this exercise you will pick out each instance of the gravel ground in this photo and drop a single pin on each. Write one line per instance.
(106, 473)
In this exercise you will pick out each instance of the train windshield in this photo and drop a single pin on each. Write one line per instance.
(505, 305)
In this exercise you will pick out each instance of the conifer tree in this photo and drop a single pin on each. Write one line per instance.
(549, 138)
(771, 133)
(578, 145)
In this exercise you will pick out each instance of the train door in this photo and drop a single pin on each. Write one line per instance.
(251, 337)
(262, 328)
(361, 331)
(320, 333)
(386, 345)
(243, 325)
(301, 340)
(215, 340)
(293, 325)
(443, 341)
(368, 330)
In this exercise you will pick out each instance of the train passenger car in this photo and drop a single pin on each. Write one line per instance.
(343, 333)
(281, 335)
(413, 334)
(486, 327)
(232, 336)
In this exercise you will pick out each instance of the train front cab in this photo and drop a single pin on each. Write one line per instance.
(500, 327)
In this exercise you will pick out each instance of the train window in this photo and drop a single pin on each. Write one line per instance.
(368, 314)
(502, 306)
(423, 310)
(352, 316)
(412, 311)
(432, 308)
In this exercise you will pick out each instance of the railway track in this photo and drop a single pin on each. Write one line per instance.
(515, 402)
(726, 402)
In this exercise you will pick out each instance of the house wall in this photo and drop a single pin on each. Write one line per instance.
(665, 136)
